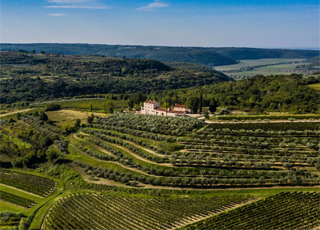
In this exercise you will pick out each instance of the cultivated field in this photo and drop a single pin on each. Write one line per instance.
(21, 194)
(91, 210)
(187, 153)
(282, 211)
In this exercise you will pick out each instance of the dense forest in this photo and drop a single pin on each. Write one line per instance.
(258, 94)
(29, 77)
(205, 56)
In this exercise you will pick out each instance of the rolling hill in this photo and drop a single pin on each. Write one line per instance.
(204, 56)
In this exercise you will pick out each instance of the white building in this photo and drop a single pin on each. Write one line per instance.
(149, 107)
(153, 108)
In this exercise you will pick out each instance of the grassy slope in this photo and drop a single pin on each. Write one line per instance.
(315, 86)
(69, 117)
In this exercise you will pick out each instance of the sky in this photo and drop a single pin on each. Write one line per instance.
(215, 23)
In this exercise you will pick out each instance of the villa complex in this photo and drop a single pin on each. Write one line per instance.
(153, 108)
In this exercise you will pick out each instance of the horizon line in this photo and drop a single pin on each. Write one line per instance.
(173, 46)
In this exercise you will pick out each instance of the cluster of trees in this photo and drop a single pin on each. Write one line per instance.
(39, 134)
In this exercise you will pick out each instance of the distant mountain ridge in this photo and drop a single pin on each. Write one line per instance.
(199, 55)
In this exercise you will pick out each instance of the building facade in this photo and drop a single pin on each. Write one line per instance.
(149, 107)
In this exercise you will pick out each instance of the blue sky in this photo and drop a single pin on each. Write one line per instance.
(216, 23)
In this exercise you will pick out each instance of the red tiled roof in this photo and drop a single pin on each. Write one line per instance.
(161, 109)
(151, 102)
(175, 111)
(181, 106)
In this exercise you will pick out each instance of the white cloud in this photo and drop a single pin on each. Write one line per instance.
(90, 7)
(67, 1)
(76, 4)
(153, 6)
(57, 15)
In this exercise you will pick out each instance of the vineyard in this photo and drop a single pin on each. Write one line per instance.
(15, 199)
(97, 211)
(183, 152)
(8, 219)
(21, 194)
(30, 183)
(282, 211)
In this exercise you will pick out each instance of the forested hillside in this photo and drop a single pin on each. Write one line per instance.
(259, 94)
(258, 53)
(205, 56)
(29, 77)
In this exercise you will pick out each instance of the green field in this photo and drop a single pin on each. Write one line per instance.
(256, 62)
(285, 67)
(97, 105)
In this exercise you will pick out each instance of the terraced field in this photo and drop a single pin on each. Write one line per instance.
(185, 152)
(97, 211)
(30, 183)
(20, 194)
(17, 200)
(282, 211)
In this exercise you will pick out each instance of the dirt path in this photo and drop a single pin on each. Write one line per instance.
(14, 112)
(191, 220)
(97, 147)
(127, 150)
(255, 121)
(132, 143)
(113, 162)
(141, 158)
(145, 149)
